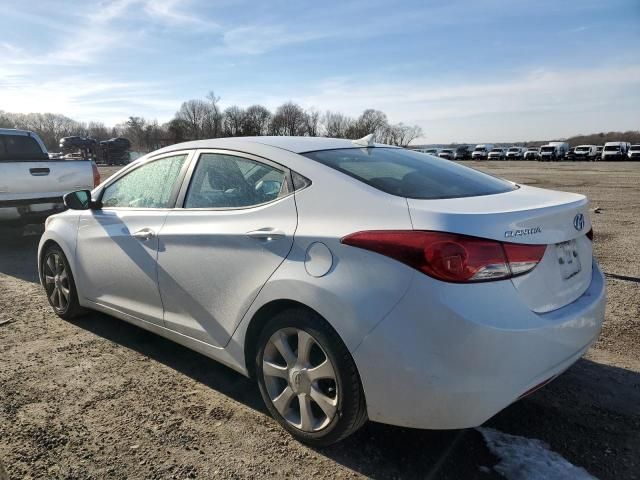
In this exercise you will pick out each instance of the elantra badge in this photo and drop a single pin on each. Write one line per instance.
(578, 221)
(523, 232)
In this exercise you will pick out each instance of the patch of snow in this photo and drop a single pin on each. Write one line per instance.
(529, 459)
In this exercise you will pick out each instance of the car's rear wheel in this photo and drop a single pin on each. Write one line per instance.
(308, 379)
(59, 284)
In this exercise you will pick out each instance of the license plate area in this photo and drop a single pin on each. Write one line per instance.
(568, 259)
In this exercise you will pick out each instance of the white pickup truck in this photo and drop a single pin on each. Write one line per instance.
(31, 183)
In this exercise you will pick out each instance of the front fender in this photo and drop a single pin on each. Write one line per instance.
(63, 230)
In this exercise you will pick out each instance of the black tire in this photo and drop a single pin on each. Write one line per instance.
(350, 410)
(70, 308)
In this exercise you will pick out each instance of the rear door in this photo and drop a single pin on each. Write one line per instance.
(217, 252)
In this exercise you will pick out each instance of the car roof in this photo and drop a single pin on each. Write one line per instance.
(292, 144)
(14, 131)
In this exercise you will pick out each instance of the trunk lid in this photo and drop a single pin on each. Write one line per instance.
(527, 215)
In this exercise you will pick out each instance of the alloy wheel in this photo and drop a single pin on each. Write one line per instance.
(300, 379)
(57, 283)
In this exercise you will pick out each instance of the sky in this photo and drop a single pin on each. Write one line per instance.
(463, 70)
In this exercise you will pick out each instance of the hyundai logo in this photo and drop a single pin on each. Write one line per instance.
(578, 221)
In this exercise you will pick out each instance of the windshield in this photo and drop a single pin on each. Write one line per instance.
(514, 149)
(19, 148)
(446, 151)
(635, 148)
(548, 149)
(409, 174)
(481, 149)
(612, 148)
(582, 149)
(498, 150)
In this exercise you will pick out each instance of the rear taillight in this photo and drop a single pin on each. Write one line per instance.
(451, 257)
(96, 174)
(590, 234)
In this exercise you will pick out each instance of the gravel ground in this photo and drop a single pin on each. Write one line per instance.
(98, 398)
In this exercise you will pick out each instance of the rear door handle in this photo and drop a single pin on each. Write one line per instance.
(144, 234)
(267, 234)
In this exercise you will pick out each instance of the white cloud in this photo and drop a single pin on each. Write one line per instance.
(86, 98)
(542, 102)
(257, 39)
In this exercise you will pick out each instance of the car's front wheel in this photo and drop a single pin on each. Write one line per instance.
(308, 379)
(59, 284)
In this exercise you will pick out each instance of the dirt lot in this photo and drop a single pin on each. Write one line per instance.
(98, 398)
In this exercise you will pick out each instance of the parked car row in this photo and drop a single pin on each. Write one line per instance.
(550, 152)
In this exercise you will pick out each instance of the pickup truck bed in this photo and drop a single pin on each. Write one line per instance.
(31, 184)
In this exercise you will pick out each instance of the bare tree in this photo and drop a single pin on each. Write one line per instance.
(336, 124)
(256, 121)
(212, 123)
(233, 121)
(371, 121)
(97, 130)
(312, 123)
(178, 130)
(288, 120)
(400, 135)
(194, 112)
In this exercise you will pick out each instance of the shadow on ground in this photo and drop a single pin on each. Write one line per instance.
(377, 451)
(18, 256)
(591, 410)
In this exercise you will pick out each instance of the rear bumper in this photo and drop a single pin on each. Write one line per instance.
(29, 211)
(453, 357)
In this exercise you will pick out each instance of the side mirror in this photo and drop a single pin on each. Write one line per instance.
(80, 200)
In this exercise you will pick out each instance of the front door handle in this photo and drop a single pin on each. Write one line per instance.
(144, 234)
(267, 234)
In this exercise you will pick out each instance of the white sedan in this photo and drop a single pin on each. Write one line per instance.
(352, 280)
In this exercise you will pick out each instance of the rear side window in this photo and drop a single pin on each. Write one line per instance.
(410, 174)
(20, 147)
(227, 181)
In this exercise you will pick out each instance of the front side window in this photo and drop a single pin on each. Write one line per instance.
(409, 174)
(148, 186)
(227, 181)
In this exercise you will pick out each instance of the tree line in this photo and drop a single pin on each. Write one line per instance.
(204, 118)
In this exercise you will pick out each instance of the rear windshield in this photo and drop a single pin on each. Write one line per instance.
(20, 147)
(582, 149)
(410, 174)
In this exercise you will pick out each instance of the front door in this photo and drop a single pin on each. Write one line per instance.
(217, 252)
(118, 244)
